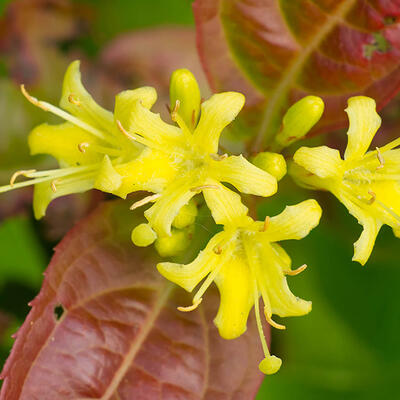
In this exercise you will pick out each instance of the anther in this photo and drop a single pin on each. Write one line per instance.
(272, 322)
(83, 146)
(32, 99)
(144, 201)
(73, 100)
(373, 197)
(20, 173)
(121, 128)
(217, 250)
(380, 159)
(193, 117)
(218, 157)
(266, 224)
(53, 185)
(296, 271)
(175, 110)
(192, 307)
(199, 188)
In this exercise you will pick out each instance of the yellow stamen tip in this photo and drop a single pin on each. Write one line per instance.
(270, 365)
(73, 100)
(266, 224)
(32, 99)
(200, 188)
(53, 185)
(144, 201)
(296, 271)
(192, 307)
(373, 197)
(272, 322)
(83, 146)
(20, 173)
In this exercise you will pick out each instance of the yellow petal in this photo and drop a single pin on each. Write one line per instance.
(44, 192)
(189, 276)
(294, 222)
(216, 113)
(271, 277)
(125, 101)
(166, 208)
(61, 141)
(364, 245)
(107, 179)
(321, 161)
(246, 177)
(76, 100)
(307, 179)
(151, 171)
(364, 122)
(225, 205)
(236, 291)
(153, 128)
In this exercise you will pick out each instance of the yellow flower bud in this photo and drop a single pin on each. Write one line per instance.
(270, 365)
(186, 216)
(185, 90)
(273, 163)
(299, 119)
(169, 246)
(143, 235)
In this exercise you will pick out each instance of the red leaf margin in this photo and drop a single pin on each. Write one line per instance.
(272, 42)
(120, 334)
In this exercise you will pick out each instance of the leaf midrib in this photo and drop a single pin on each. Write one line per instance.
(284, 85)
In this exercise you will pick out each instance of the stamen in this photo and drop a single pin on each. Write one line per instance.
(218, 157)
(179, 120)
(193, 117)
(271, 321)
(200, 188)
(192, 307)
(53, 185)
(217, 250)
(175, 110)
(72, 99)
(20, 173)
(294, 272)
(134, 137)
(83, 146)
(144, 201)
(373, 198)
(266, 224)
(380, 159)
(63, 114)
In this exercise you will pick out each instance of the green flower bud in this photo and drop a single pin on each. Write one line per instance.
(169, 246)
(299, 119)
(273, 163)
(184, 89)
(143, 235)
(186, 215)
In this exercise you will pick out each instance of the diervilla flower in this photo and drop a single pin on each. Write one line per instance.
(246, 262)
(366, 182)
(88, 146)
(190, 150)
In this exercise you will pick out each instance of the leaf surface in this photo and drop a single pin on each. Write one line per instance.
(105, 326)
(276, 52)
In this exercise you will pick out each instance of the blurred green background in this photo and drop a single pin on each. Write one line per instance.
(347, 348)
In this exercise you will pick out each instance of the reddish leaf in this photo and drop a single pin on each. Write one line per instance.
(278, 51)
(120, 335)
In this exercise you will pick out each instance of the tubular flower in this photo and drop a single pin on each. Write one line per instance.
(191, 149)
(89, 146)
(366, 182)
(246, 262)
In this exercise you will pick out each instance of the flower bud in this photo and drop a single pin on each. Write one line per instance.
(270, 365)
(143, 235)
(184, 89)
(299, 119)
(273, 163)
(169, 246)
(186, 215)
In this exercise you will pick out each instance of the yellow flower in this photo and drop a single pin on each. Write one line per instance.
(190, 149)
(367, 183)
(88, 146)
(246, 262)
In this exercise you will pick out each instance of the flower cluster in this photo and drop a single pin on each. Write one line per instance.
(133, 149)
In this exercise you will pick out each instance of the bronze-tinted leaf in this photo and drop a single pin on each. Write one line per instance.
(278, 51)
